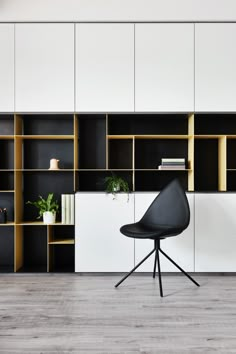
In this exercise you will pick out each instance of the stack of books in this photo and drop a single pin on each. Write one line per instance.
(68, 209)
(172, 164)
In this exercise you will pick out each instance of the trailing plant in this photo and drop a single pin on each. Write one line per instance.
(116, 184)
(49, 204)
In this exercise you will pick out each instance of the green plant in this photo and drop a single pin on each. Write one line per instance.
(49, 204)
(115, 184)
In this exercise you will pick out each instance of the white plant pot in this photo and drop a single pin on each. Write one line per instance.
(49, 217)
(116, 189)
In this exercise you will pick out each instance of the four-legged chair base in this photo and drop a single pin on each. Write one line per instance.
(157, 249)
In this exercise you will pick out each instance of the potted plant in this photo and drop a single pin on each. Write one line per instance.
(47, 208)
(116, 184)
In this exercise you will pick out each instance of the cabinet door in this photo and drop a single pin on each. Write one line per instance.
(44, 67)
(215, 70)
(215, 232)
(180, 248)
(164, 67)
(7, 68)
(100, 247)
(104, 67)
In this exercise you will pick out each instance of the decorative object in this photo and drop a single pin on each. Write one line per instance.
(54, 164)
(47, 208)
(116, 184)
(3, 216)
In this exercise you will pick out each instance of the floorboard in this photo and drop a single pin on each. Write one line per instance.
(70, 313)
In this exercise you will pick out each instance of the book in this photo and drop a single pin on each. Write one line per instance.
(173, 160)
(63, 208)
(67, 208)
(72, 209)
(161, 167)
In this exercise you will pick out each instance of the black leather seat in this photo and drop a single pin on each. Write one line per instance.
(167, 216)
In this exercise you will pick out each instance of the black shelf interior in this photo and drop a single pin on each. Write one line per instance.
(6, 180)
(92, 141)
(120, 154)
(231, 153)
(42, 183)
(206, 164)
(6, 249)
(35, 249)
(48, 124)
(37, 153)
(93, 181)
(7, 154)
(63, 258)
(6, 124)
(154, 124)
(155, 181)
(149, 152)
(215, 124)
(231, 181)
(7, 201)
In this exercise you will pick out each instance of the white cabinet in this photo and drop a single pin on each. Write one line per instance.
(180, 248)
(7, 68)
(164, 67)
(44, 67)
(215, 232)
(104, 67)
(100, 247)
(215, 70)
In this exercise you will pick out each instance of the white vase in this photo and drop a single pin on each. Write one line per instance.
(49, 217)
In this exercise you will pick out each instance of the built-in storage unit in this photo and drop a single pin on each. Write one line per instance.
(104, 67)
(6, 67)
(101, 247)
(28, 142)
(215, 74)
(164, 67)
(215, 225)
(44, 67)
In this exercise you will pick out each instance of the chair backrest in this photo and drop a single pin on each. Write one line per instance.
(169, 208)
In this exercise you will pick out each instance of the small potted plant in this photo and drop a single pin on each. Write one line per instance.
(47, 208)
(116, 184)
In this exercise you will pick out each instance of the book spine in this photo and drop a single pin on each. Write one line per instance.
(67, 209)
(63, 208)
(173, 160)
(72, 209)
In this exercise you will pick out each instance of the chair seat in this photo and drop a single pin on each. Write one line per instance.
(141, 231)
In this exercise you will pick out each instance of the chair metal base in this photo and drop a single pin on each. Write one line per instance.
(157, 249)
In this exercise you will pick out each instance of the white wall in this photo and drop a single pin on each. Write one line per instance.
(117, 10)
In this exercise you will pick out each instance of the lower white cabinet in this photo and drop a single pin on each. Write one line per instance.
(100, 247)
(179, 248)
(215, 232)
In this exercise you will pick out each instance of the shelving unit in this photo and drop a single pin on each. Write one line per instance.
(90, 147)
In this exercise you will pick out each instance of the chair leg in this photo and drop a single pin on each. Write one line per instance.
(139, 264)
(155, 265)
(159, 272)
(171, 260)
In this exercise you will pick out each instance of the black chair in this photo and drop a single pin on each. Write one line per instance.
(167, 216)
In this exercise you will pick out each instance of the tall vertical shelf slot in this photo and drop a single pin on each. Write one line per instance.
(39, 138)
(7, 192)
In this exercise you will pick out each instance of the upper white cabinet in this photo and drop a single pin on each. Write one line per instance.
(215, 232)
(100, 247)
(44, 67)
(104, 67)
(164, 67)
(7, 68)
(215, 69)
(180, 248)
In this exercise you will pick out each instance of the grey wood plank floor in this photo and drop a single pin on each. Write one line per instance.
(69, 313)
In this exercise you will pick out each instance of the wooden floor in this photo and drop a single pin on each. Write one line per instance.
(48, 313)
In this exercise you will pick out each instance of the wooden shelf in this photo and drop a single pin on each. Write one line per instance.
(7, 191)
(9, 223)
(41, 223)
(209, 136)
(45, 137)
(157, 170)
(44, 170)
(62, 242)
(6, 137)
(121, 137)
